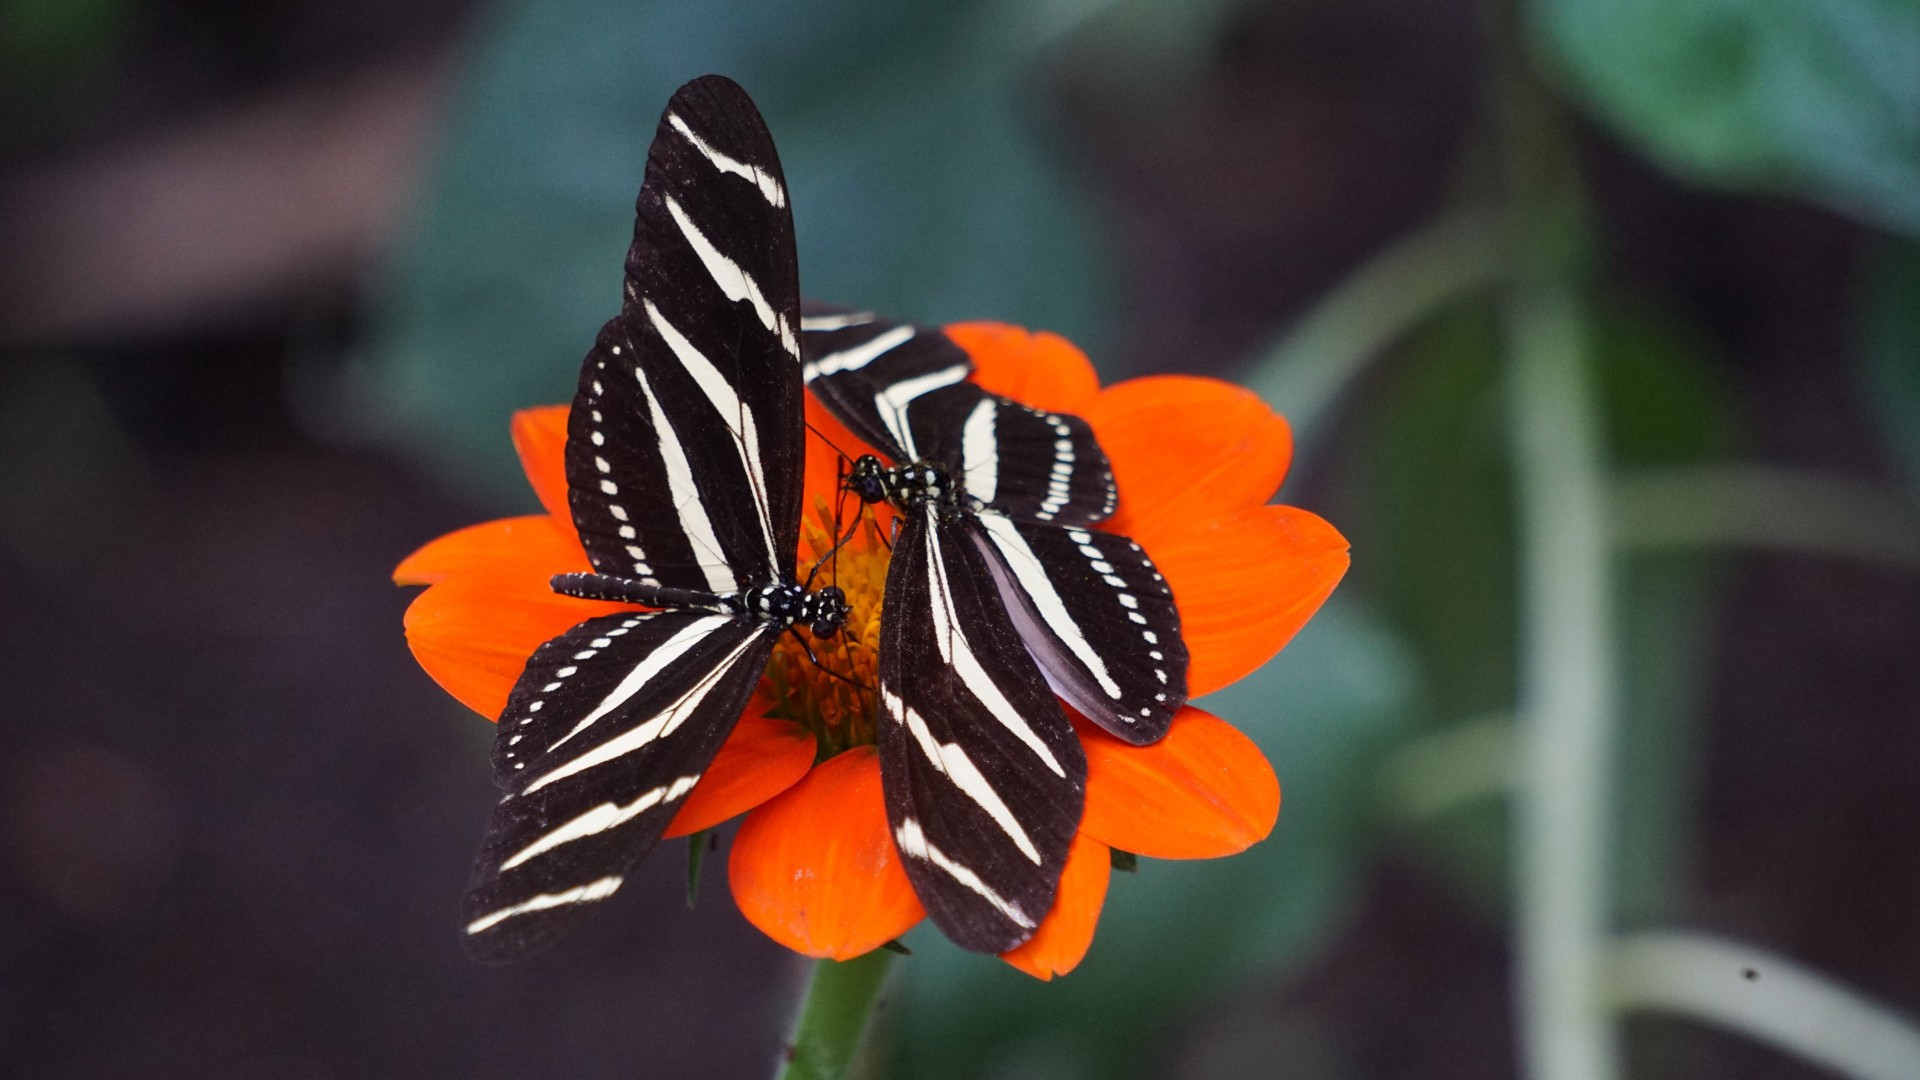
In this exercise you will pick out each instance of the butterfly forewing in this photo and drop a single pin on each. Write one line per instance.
(608, 729)
(683, 456)
(1099, 618)
(871, 372)
(985, 780)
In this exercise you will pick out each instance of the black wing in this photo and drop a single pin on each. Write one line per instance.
(985, 779)
(1022, 462)
(868, 371)
(901, 388)
(684, 447)
(1098, 616)
(609, 727)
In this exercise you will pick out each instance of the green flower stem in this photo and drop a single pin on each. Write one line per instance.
(1766, 996)
(833, 1016)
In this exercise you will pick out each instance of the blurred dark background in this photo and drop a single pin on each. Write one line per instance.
(273, 275)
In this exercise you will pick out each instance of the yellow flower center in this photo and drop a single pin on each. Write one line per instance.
(837, 697)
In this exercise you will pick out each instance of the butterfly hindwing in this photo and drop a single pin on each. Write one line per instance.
(609, 727)
(1099, 618)
(1026, 463)
(683, 458)
(985, 779)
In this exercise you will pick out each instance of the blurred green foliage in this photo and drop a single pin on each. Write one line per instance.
(1667, 403)
(56, 55)
(1819, 98)
(1890, 352)
(915, 150)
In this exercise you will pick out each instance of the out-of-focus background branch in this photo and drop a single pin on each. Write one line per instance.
(221, 214)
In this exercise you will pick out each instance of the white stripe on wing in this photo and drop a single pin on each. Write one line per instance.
(958, 654)
(913, 843)
(892, 403)
(733, 281)
(951, 760)
(858, 356)
(769, 187)
(734, 412)
(660, 725)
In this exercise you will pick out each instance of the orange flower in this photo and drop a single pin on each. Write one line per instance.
(813, 865)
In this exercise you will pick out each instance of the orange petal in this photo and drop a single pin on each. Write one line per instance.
(1203, 791)
(1043, 370)
(815, 868)
(473, 633)
(540, 436)
(1064, 935)
(533, 543)
(762, 758)
(1245, 583)
(1184, 447)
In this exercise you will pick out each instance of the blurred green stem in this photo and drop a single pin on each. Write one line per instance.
(1760, 507)
(1568, 690)
(1304, 373)
(1568, 701)
(1766, 996)
(833, 1016)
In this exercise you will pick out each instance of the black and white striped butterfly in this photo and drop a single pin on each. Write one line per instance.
(998, 596)
(684, 464)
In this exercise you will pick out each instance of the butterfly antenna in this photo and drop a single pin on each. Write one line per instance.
(832, 554)
(808, 649)
(844, 456)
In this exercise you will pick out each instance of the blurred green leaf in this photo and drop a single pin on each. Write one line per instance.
(1814, 97)
(1437, 525)
(1890, 356)
(915, 153)
(1437, 529)
(1177, 935)
(1666, 405)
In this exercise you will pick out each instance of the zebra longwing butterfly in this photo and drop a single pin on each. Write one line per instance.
(684, 465)
(998, 596)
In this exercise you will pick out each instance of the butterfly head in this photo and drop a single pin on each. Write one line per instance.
(868, 480)
(907, 486)
(825, 611)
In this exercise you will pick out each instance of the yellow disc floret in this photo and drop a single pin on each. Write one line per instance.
(836, 697)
